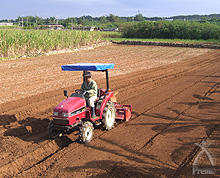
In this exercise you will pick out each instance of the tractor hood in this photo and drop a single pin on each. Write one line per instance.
(70, 104)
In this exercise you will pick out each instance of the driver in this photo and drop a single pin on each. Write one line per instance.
(91, 88)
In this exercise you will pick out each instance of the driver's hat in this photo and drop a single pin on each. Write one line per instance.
(87, 74)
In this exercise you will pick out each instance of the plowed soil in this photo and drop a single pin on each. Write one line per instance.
(176, 103)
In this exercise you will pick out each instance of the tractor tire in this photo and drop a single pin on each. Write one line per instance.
(51, 132)
(86, 132)
(108, 116)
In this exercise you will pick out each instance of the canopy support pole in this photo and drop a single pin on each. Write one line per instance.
(107, 80)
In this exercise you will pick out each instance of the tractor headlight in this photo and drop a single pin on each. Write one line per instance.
(64, 114)
(55, 113)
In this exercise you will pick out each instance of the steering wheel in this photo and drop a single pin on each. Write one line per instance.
(78, 90)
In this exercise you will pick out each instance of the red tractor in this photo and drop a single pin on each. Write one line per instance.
(73, 112)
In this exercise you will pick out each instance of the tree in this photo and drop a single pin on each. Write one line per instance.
(112, 18)
(66, 22)
(103, 19)
(139, 17)
(81, 22)
(47, 21)
(129, 19)
(52, 20)
(87, 17)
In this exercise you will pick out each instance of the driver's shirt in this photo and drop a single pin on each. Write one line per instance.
(91, 88)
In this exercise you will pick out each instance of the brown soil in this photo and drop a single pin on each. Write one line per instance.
(175, 98)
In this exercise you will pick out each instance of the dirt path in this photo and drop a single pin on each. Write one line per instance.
(175, 106)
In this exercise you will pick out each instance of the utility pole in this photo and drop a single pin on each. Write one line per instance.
(36, 23)
(57, 22)
(22, 22)
(18, 22)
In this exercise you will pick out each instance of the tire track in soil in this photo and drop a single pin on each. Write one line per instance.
(51, 143)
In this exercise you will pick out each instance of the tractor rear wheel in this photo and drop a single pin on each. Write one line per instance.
(86, 132)
(51, 132)
(109, 115)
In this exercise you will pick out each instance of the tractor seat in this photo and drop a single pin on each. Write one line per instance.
(100, 93)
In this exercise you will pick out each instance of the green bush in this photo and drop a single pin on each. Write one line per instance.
(171, 30)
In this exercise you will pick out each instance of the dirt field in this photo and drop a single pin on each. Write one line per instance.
(175, 98)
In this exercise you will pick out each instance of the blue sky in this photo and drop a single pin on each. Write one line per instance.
(11, 9)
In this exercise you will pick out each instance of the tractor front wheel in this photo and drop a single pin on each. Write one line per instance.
(51, 132)
(86, 132)
(109, 115)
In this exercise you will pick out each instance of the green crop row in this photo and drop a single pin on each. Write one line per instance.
(33, 42)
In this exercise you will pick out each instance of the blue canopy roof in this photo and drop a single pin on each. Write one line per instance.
(87, 67)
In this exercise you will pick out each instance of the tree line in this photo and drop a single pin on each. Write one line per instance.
(109, 20)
